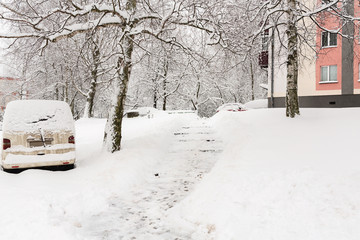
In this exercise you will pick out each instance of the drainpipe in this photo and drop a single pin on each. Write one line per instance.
(272, 67)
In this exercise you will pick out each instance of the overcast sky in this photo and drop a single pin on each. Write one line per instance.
(3, 71)
(3, 68)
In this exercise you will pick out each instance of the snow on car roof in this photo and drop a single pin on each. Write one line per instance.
(226, 106)
(259, 103)
(32, 115)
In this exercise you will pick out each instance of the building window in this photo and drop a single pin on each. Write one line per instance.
(328, 39)
(264, 54)
(328, 74)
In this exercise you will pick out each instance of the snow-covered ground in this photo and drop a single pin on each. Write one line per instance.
(245, 175)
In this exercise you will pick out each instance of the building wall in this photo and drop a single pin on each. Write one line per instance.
(356, 49)
(345, 55)
(279, 67)
(306, 83)
(326, 56)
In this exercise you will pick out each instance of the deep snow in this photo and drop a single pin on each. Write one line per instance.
(281, 178)
(270, 178)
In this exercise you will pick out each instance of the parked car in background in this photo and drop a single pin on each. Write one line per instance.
(141, 112)
(38, 133)
(257, 104)
(232, 107)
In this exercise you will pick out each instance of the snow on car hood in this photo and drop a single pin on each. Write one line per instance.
(31, 115)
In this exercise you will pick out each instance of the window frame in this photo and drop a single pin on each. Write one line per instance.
(328, 42)
(328, 74)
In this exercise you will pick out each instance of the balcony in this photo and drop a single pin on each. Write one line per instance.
(264, 59)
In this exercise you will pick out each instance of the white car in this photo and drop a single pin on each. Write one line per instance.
(38, 133)
(141, 112)
(232, 107)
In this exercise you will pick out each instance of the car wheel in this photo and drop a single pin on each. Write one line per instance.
(13, 171)
(67, 167)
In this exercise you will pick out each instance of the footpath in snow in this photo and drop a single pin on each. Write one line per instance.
(281, 178)
(246, 175)
(142, 213)
(126, 195)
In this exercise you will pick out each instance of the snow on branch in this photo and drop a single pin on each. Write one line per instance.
(324, 7)
(72, 30)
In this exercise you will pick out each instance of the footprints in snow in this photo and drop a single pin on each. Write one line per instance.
(193, 131)
(192, 155)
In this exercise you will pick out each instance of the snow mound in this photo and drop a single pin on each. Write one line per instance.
(259, 103)
(281, 178)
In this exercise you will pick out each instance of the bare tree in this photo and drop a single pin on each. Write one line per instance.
(289, 20)
(49, 23)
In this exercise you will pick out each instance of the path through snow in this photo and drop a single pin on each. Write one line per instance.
(142, 214)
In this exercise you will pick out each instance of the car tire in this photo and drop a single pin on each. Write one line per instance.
(67, 167)
(13, 171)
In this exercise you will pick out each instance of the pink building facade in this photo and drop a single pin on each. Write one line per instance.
(328, 76)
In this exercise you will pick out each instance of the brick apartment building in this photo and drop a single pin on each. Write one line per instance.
(328, 76)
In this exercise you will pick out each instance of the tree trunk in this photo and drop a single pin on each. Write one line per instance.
(252, 81)
(113, 134)
(166, 69)
(57, 97)
(91, 97)
(89, 105)
(65, 87)
(155, 97)
(197, 94)
(165, 96)
(292, 102)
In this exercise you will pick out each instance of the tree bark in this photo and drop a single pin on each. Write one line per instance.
(197, 94)
(155, 99)
(252, 81)
(89, 105)
(292, 102)
(166, 69)
(113, 132)
(165, 96)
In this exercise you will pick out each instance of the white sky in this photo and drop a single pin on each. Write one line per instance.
(3, 69)
(3, 29)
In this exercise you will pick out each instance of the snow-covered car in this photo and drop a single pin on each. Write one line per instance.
(38, 133)
(140, 112)
(232, 107)
(257, 104)
(0, 126)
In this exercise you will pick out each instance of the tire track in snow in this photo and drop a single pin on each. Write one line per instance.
(193, 153)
